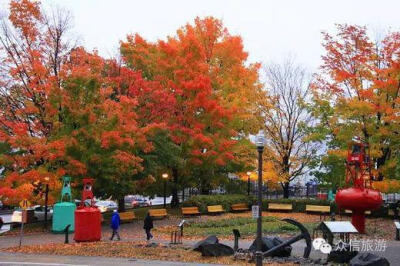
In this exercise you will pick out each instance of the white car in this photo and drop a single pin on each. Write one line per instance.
(16, 216)
(106, 205)
(38, 214)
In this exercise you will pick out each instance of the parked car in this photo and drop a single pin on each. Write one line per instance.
(40, 212)
(16, 217)
(106, 205)
(78, 203)
(36, 213)
(140, 202)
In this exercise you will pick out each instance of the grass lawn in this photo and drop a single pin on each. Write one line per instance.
(247, 226)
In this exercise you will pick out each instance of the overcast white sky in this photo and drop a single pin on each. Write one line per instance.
(271, 30)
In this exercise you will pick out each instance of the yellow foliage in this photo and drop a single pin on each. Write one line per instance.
(269, 174)
(387, 186)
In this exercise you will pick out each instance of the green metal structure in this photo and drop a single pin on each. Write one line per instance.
(64, 211)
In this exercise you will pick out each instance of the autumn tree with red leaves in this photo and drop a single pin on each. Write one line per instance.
(59, 111)
(33, 52)
(357, 93)
(213, 95)
(184, 105)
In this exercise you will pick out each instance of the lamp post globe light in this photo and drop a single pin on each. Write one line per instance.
(260, 142)
(165, 177)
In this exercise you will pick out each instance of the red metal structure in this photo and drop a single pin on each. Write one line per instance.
(87, 218)
(360, 197)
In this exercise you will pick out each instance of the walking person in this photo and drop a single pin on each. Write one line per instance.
(115, 223)
(148, 225)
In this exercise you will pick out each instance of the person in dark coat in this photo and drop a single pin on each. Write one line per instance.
(148, 225)
(115, 223)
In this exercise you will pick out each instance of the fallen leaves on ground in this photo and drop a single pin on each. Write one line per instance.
(27, 231)
(137, 250)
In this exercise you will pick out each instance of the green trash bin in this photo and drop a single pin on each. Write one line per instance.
(64, 211)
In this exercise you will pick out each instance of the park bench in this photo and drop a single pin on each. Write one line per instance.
(322, 210)
(190, 211)
(215, 209)
(158, 213)
(239, 207)
(127, 216)
(280, 207)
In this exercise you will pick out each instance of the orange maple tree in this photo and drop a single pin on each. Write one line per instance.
(59, 112)
(213, 92)
(357, 94)
(185, 104)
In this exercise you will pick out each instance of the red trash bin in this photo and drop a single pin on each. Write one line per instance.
(87, 218)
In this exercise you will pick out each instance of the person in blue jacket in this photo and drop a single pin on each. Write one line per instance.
(115, 223)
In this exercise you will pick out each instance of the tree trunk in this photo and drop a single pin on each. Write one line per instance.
(121, 205)
(286, 190)
(183, 194)
(204, 187)
(175, 199)
(286, 169)
(205, 191)
(381, 161)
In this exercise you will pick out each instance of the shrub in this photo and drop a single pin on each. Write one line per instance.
(299, 205)
(232, 222)
(202, 201)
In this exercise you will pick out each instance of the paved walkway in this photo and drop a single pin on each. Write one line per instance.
(134, 232)
(51, 260)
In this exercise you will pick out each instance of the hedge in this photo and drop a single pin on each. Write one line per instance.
(202, 201)
(299, 205)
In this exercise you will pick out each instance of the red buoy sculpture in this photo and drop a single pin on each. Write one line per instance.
(87, 218)
(360, 197)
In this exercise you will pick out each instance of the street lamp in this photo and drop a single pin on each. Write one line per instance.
(165, 176)
(260, 148)
(46, 197)
(248, 183)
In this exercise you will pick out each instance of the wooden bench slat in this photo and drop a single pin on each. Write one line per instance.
(280, 206)
(215, 208)
(126, 216)
(318, 208)
(239, 207)
(158, 212)
(190, 210)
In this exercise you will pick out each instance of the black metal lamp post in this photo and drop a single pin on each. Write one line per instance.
(46, 197)
(165, 177)
(248, 183)
(260, 149)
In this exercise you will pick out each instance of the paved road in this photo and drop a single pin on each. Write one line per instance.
(12, 259)
(6, 214)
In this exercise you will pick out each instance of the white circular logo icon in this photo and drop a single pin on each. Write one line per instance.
(318, 242)
(325, 248)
